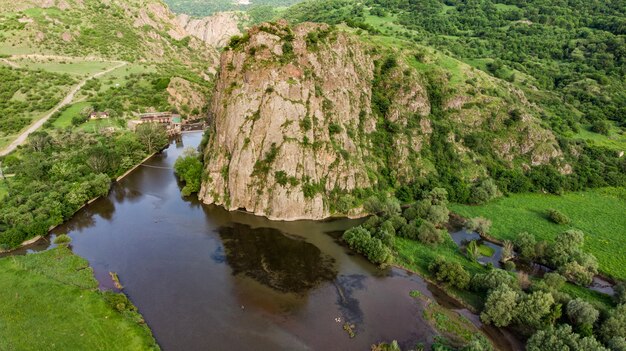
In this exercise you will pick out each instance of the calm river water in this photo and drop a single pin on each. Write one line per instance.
(208, 279)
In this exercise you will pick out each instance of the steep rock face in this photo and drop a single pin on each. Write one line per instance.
(309, 120)
(214, 30)
(281, 115)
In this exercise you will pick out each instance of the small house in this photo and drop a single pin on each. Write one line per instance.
(99, 115)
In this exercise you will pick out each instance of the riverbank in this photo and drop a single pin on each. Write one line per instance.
(37, 238)
(59, 289)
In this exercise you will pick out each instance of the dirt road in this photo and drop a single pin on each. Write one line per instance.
(67, 100)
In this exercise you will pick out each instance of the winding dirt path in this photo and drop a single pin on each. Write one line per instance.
(66, 100)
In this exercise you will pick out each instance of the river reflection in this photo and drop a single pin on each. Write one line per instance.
(261, 254)
(208, 279)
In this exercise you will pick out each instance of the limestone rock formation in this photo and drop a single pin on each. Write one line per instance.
(307, 121)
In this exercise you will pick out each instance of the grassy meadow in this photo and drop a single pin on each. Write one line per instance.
(599, 213)
(51, 301)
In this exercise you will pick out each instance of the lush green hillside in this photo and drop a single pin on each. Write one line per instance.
(568, 56)
(51, 301)
(202, 8)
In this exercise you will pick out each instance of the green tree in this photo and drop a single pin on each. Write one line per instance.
(189, 169)
(152, 135)
(525, 244)
(580, 312)
(560, 339)
(500, 307)
(534, 308)
(428, 234)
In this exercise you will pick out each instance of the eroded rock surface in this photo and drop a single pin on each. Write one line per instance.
(309, 120)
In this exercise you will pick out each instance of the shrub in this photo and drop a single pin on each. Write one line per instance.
(428, 234)
(601, 127)
(507, 251)
(509, 266)
(472, 250)
(452, 273)
(478, 224)
(558, 217)
(484, 191)
(62, 239)
(580, 312)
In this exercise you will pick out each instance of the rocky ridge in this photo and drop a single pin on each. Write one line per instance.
(309, 120)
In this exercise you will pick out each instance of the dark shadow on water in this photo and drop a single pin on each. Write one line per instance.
(349, 306)
(282, 262)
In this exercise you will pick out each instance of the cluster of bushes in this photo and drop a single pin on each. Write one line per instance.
(554, 317)
(56, 175)
(419, 221)
(565, 254)
(189, 169)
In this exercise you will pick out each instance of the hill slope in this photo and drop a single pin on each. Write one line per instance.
(310, 120)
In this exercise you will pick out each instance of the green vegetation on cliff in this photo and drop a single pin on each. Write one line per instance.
(51, 301)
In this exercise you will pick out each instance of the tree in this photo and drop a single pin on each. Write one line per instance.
(615, 325)
(560, 339)
(428, 234)
(565, 246)
(577, 273)
(452, 273)
(534, 308)
(493, 279)
(500, 307)
(189, 169)
(438, 214)
(525, 244)
(580, 312)
(152, 135)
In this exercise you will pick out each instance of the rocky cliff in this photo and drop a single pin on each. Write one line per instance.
(214, 30)
(309, 120)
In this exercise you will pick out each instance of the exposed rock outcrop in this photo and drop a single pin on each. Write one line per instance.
(214, 30)
(307, 120)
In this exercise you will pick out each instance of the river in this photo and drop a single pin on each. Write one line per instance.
(208, 279)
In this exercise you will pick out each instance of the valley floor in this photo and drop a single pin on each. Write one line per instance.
(55, 293)
(599, 213)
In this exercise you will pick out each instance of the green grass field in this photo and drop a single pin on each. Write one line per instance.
(50, 301)
(599, 213)
(65, 120)
(416, 257)
(613, 141)
(73, 67)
